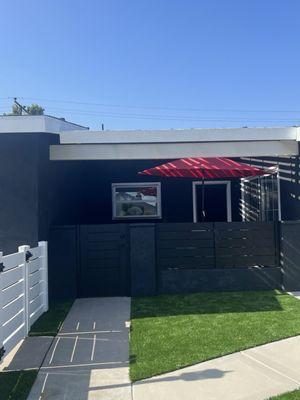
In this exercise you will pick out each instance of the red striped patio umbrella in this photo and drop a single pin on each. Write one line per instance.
(204, 168)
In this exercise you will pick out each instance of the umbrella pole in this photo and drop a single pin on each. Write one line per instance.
(202, 202)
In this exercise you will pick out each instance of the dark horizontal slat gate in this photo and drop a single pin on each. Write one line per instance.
(104, 268)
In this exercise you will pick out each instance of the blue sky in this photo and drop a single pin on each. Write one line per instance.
(154, 63)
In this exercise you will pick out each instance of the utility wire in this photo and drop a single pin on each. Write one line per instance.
(161, 117)
(177, 117)
(169, 117)
(155, 107)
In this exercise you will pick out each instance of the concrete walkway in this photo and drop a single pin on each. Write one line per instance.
(254, 374)
(89, 358)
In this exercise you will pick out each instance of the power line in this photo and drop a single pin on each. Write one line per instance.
(156, 107)
(91, 112)
(169, 117)
(161, 117)
(165, 117)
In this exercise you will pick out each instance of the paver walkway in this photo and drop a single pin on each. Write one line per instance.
(89, 357)
(254, 374)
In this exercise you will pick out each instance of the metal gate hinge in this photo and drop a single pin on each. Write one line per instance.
(28, 255)
(1, 267)
(2, 352)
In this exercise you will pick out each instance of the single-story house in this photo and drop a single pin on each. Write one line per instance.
(112, 231)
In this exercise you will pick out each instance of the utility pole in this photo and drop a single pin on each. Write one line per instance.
(20, 106)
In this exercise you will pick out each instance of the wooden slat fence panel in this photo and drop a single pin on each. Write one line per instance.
(219, 245)
(185, 246)
(245, 244)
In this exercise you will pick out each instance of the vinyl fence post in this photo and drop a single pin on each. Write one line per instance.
(25, 270)
(1, 312)
(44, 260)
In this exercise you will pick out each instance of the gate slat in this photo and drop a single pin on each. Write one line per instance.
(10, 342)
(12, 260)
(12, 309)
(12, 292)
(36, 315)
(190, 235)
(11, 276)
(14, 324)
(35, 290)
(36, 303)
(34, 265)
(246, 261)
(35, 278)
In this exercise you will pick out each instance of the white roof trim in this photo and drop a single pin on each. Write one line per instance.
(36, 124)
(168, 144)
(156, 151)
(183, 135)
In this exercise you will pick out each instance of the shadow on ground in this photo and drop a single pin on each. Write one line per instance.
(206, 303)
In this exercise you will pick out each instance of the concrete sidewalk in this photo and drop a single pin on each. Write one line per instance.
(89, 357)
(254, 374)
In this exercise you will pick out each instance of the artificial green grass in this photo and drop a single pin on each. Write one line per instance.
(172, 331)
(16, 385)
(288, 396)
(50, 322)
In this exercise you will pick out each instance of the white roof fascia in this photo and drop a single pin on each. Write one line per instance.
(153, 151)
(182, 135)
(35, 124)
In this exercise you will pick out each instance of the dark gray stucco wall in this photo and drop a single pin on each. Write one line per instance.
(18, 191)
(60, 191)
(177, 197)
(34, 191)
(63, 262)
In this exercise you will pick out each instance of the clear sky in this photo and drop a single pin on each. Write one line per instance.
(154, 63)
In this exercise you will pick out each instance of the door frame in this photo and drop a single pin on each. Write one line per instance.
(228, 197)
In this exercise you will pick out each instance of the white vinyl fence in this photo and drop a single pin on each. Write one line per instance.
(23, 293)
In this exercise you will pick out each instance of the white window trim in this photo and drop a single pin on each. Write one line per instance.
(114, 186)
(228, 197)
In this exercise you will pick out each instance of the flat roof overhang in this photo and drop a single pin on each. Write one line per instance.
(168, 144)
